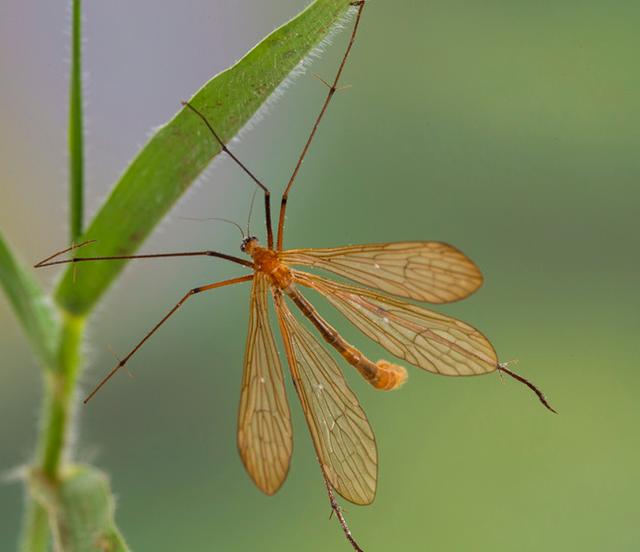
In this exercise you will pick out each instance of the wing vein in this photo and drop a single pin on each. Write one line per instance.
(341, 434)
(265, 439)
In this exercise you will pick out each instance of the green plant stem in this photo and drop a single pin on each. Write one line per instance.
(59, 393)
(61, 380)
(36, 534)
(60, 390)
(76, 138)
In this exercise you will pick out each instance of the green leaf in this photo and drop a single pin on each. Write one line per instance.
(76, 138)
(81, 510)
(32, 307)
(182, 148)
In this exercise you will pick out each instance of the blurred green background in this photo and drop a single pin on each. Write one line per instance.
(510, 129)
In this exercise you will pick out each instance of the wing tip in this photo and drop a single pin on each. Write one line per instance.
(269, 488)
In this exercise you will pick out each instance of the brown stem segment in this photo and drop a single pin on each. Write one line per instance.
(503, 368)
(332, 90)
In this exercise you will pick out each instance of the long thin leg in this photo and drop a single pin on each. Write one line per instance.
(267, 193)
(190, 293)
(335, 508)
(44, 262)
(49, 262)
(332, 90)
(502, 367)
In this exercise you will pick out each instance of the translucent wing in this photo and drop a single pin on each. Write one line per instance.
(423, 270)
(424, 338)
(264, 424)
(341, 434)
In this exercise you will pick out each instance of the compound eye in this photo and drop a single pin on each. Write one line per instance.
(245, 244)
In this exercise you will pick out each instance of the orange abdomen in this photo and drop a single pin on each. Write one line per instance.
(382, 375)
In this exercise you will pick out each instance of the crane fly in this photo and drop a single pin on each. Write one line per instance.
(384, 278)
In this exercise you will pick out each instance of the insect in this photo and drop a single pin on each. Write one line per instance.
(383, 278)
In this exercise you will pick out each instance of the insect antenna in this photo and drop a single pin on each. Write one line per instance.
(502, 367)
(219, 219)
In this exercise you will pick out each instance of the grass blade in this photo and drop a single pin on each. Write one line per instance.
(32, 308)
(181, 149)
(76, 138)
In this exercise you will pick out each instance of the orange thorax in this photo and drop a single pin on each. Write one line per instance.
(268, 261)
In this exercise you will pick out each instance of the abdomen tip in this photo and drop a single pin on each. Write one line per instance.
(390, 376)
